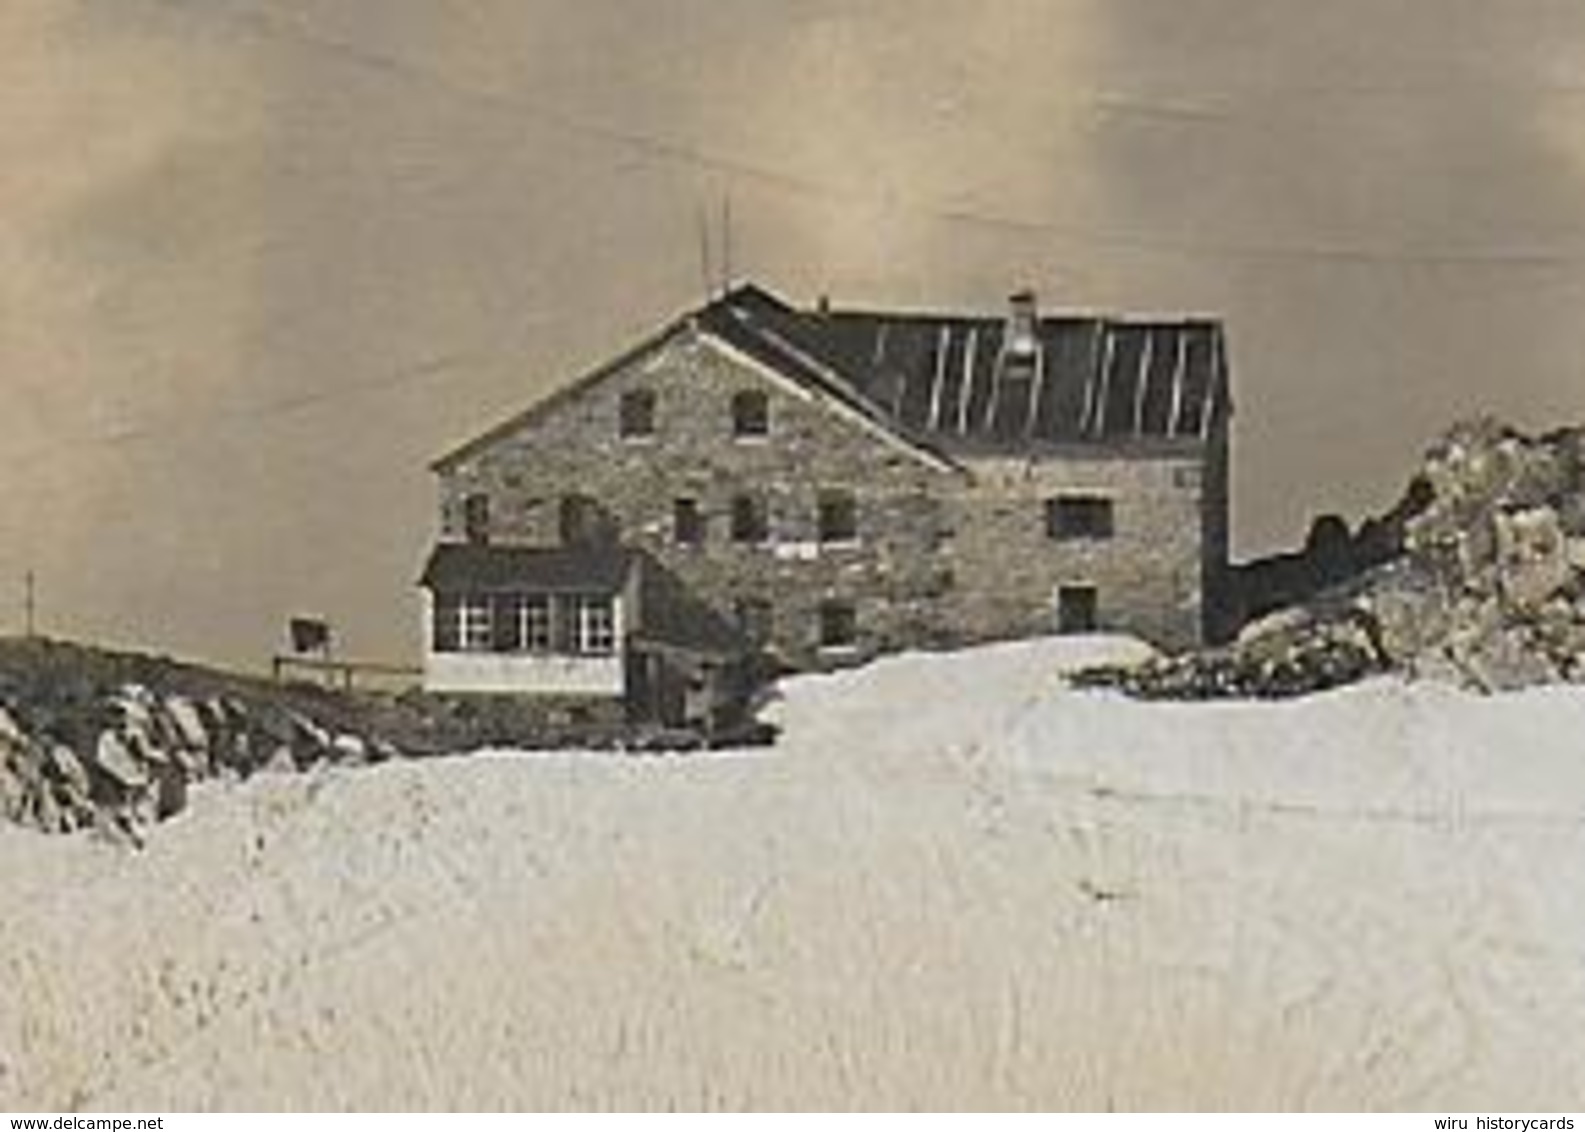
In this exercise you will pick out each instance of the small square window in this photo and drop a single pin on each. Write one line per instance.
(1079, 517)
(750, 413)
(687, 522)
(838, 517)
(637, 415)
(749, 521)
(584, 521)
(1078, 609)
(839, 627)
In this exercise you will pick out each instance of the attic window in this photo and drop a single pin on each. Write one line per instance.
(750, 413)
(1074, 517)
(637, 415)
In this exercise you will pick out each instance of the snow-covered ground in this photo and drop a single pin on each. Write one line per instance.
(954, 884)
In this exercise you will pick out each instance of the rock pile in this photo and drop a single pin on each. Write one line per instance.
(1486, 589)
(118, 758)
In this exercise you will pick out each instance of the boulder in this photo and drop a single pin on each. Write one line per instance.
(281, 760)
(189, 723)
(13, 797)
(1485, 586)
(351, 748)
(1532, 556)
(170, 792)
(10, 730)
(310, 733)
(115, 758)
(67, 768)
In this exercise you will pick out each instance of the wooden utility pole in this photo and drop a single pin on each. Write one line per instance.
(726, 243)
(29, 604)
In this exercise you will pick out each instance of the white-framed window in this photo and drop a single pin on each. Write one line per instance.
(596, 625)
(534, 624)
(474, 624)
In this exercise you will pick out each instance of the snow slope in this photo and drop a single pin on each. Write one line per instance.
(955, 884)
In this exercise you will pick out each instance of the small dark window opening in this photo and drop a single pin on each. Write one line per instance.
(1078, 609)
(749, 521)
(687, 522)
(839, 625)
(756, 618)
(838, 517)
(750, 413)
(476, 518)
(637, 416)
(583, 521)
(1079, 517)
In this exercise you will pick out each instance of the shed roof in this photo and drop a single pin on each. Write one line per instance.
(484, 567)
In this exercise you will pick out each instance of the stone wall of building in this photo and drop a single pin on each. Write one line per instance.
(942, 556)
(1147, 575)
(574, 448)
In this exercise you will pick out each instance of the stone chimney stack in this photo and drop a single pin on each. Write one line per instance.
(1023, 314)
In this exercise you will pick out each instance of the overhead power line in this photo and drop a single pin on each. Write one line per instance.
(425, 370)
(671, 151)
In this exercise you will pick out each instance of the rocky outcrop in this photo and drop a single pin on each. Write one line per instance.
(1485, 586)
(79, 750)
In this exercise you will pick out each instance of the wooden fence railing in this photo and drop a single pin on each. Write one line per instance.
(345, 674)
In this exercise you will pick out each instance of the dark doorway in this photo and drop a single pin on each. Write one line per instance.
(1077, 609)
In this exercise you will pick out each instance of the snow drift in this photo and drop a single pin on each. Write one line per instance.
(956, 883)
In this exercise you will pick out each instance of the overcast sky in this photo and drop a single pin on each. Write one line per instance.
(260, 260)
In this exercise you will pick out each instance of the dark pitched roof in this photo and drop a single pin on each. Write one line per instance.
(491, 568)
(944, 383)
(957, 382)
